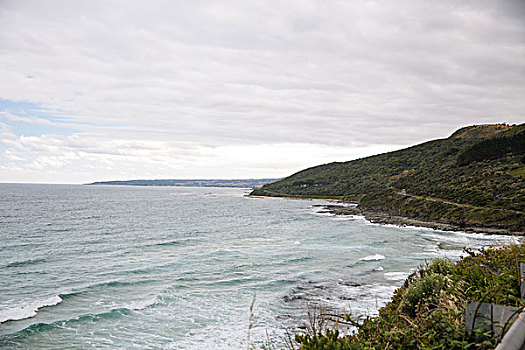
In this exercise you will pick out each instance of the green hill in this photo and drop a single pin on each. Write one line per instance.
(474, 178)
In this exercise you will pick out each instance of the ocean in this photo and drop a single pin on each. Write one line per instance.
(115, 267)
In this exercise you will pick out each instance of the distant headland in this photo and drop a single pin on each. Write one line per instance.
(238, 183)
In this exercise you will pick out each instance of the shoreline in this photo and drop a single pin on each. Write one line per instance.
(334, 200)
(382, 218)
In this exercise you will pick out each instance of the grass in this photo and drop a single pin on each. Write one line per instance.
(517, 172)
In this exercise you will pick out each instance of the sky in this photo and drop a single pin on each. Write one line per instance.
(115, 90)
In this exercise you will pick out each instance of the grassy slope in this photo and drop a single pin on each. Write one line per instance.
(471, 178)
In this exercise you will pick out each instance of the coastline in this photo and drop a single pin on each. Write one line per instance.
(383, 218)
(334, 200)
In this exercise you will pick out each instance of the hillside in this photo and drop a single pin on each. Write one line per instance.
(474, 178)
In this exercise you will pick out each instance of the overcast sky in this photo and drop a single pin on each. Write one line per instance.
(109, 90)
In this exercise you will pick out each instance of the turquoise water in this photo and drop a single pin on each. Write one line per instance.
(177, 268)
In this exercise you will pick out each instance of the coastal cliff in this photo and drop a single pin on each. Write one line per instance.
(473, 180)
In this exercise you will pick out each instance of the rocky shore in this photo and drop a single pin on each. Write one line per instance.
(386, 218)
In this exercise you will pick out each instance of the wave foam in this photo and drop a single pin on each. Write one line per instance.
(374, 257)
(396, 276)
(142, 304)
(28, 310)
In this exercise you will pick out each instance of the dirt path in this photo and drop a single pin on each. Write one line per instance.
(434, 199)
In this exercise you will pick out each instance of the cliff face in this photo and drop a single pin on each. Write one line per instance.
(474, 178)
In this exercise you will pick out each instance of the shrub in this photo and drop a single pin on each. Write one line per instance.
(424, 290)
(441, 266)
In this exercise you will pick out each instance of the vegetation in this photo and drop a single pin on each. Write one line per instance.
(510, 143)
(518, 171)
(475, 177)
(428, 312)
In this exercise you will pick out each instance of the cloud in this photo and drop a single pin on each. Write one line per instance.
(31, 120)
(78, 157)
(135, 78)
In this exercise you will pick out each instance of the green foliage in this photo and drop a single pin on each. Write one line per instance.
(424, 290)
(428, 312)
(518, 171)
(442, 211)
(483, 192)
(329, 340)
(441, 266)
(494, 148)
(492, 274)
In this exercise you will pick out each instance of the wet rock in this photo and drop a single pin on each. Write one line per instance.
(349, 284)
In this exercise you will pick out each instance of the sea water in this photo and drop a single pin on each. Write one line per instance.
(112, 267)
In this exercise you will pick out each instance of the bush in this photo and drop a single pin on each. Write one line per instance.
(441, 266)
(326, 341)
(424, 290)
